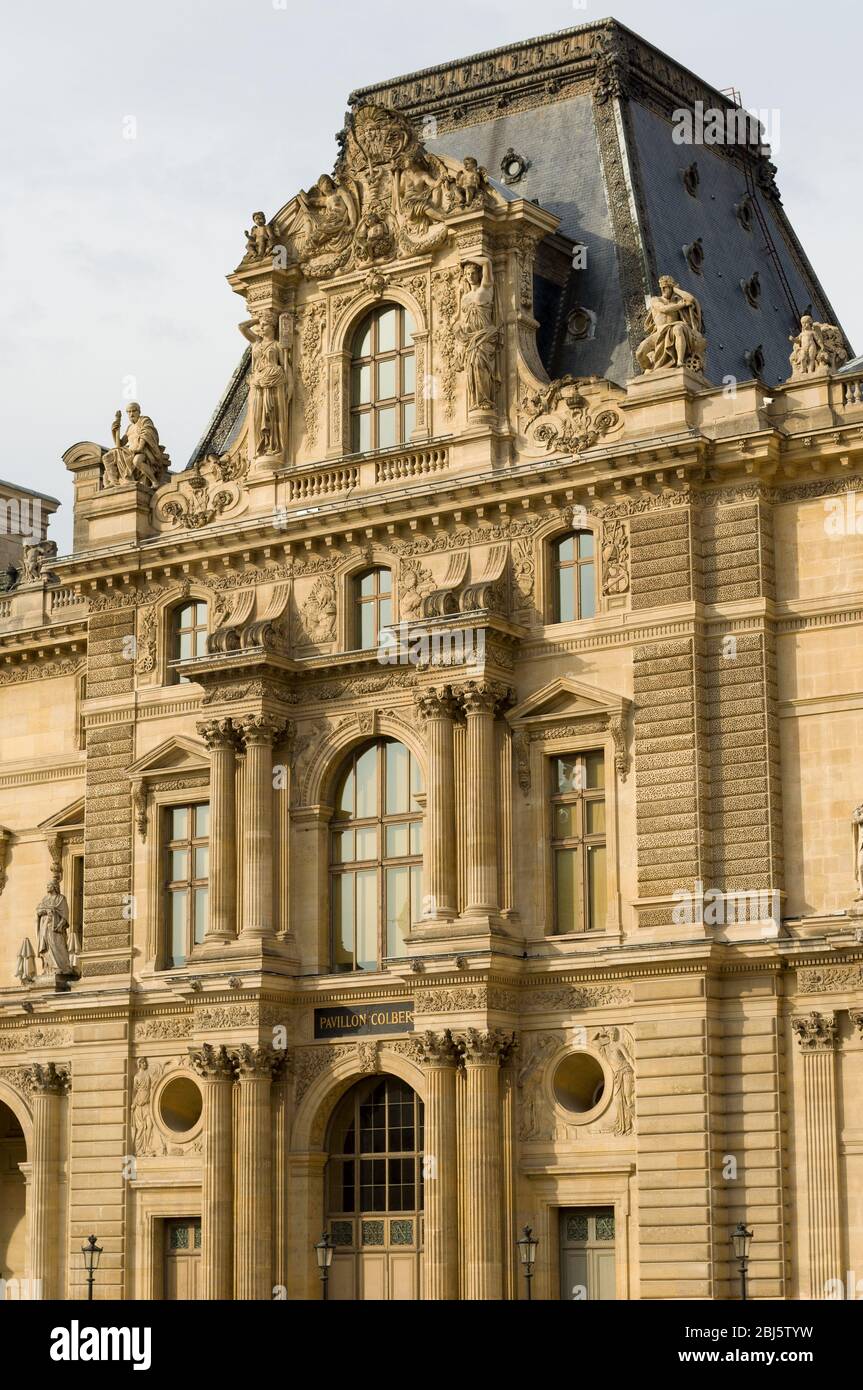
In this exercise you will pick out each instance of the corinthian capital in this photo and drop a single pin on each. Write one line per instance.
(263, 1061)
(815, 1032)
(439, 1049)
(262, 729)
(486, 1049)
(856, 1017)
(436, 702)
(48, 1080)
(213, 1063)
(218, 733)
(484, 697)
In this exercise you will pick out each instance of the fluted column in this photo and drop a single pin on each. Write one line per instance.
(437, 707)
(440, 1167)
(482, 1167)
(254, 1195)
(220, 737)
(816, 1035)
(259, 733)
(480, 700)
(47, 1088)
(217, 1071)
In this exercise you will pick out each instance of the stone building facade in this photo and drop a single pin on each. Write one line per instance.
(445, 785)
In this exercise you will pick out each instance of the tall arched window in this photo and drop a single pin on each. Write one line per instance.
(573, 577)
(375, 856)
(383, 380)
(373, 606)
(188, 633)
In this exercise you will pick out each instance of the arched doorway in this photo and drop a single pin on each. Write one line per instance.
(13, 1208)
(374, 1191)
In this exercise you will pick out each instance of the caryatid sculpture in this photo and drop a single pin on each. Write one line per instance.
(857, 831)
(674, 330)
(477, 334)
(137, 455)
(52, 934)
(270, 387)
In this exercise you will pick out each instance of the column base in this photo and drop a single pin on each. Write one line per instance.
(251, 950)
(467, 933)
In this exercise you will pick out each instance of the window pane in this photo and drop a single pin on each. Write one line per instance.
(361, 385)
(367, 843)
(385, 613)
(387, 331)
(416, 892)
(398, 837)
(387, 431)
(416, 783)
(179, 918)
(368, 584)
(387, 379)
(408, 328)
(397, 779)
(187, 645)
(565, 595)
(385, 581)
(368, 637)
(202, 857)
(409, 420)
(343, 921)
(587, 591)
(367, 920)
(180, 823)
(565, 821)
(202, 820)
(596, 886)
(179, 865)
(398, 909)
(416, 837)
(364, 344)
(408, 374)
(367, 783)
(595, 769)
(594, 818)
(343, 846)
(361, 440)
(569, 775)
(201, 642)
(346, 800)
(566, 890)
(200, 914)
(585, 545)
(566, 550)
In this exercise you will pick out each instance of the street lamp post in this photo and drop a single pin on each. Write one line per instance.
(324, 1256)
(91, 1252)
(740, 1241)
(527, 1254)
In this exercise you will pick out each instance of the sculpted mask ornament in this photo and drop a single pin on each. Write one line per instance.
(816, 348)
(137, 456)
(477, 335)
(270, 385)
(559, 418)
(674, 330)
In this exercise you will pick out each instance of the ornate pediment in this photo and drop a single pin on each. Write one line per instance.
(178, 762)
(387, 197)
(567, 708)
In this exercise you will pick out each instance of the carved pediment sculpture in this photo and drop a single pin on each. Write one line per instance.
(137, 455)
(562, 417)
(816, 348)
(674, 330)
(387, 196)
(208, 491)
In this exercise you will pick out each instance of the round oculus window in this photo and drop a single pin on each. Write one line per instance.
(180, 1105)
(579, 1083)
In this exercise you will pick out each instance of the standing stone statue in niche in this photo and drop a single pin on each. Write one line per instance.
(816, 348)
(52, 934)
(477, 334)
(674, 330)
(141, 1113)
(857, 830)
(137, 455)
(270, 388)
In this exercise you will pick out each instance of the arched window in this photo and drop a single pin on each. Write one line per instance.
(573, 577)
(383, 380)
(373, 606)
(375, 856)
(188, 633)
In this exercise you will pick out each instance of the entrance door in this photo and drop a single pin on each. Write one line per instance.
(182, 1257)
(587, 1253)
(374, 1183)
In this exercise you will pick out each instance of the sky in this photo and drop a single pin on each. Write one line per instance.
(136, 139)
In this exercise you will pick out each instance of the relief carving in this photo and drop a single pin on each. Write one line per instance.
(559, 418)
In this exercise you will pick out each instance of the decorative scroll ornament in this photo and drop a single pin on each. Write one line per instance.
(387, 196)
(559, 418)
(817, 347)
(208, 491)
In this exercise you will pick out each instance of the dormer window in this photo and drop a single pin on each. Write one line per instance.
(383, 380)
(573, 577)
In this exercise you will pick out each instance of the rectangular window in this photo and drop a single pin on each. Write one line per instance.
(578, 842)
(187, 849)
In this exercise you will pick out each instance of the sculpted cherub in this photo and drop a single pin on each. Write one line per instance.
(470, 182)
(260, 240)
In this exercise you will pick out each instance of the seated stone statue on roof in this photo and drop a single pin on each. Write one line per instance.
(674, 330)
(137, 456)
